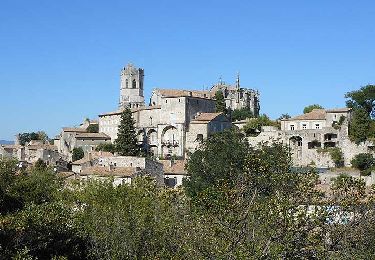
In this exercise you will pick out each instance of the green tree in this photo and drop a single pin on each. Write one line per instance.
(310, 108)
(40, 165)
(363, 162)
(242, 114)
(336, 156)
(77, 154)
(106, 147)
(93, 128)
(253, 127)
(220, 102)
(284, 116)
(126, 142)
(348, 189)
(364, 98)
(360, 126)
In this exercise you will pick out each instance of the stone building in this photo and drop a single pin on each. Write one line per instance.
(172, 123)
(75, 137)
(122, 169)
(237, 97)
(31, 152)
(308, 136)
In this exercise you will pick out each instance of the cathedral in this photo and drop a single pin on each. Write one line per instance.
(176, 121)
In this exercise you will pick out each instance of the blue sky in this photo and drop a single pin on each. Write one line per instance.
(60, 60)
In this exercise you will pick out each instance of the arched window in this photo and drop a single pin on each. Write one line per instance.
(134, 84)
(126, 83)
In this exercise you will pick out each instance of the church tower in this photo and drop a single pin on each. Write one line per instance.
(131, 89)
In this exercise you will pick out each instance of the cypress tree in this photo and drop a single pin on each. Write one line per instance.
(126, 142)
(220, 102)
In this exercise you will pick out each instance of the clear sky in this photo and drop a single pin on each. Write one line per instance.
(60, 60)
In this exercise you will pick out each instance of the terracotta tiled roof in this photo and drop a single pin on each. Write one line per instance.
(315, 114)
(92, 135)
(104, 171)
(11, 146)
(184, 93)
(118, 112)
(339, 110)
(42, 146)
(176, 167)
(74, 129)
(206, 116)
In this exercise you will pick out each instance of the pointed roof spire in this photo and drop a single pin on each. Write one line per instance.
(238, 80)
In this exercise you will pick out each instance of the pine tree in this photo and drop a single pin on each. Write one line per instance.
(126, 142)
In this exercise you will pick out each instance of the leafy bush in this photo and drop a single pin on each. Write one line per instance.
(77, 154)
(363, 162)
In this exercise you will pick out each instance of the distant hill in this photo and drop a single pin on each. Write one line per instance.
(6, 142)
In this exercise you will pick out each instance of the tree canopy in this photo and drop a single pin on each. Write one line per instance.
(241, 114)
(253, 127)
(77, 154)
(363, 98)
(310, 108)
(93, 128)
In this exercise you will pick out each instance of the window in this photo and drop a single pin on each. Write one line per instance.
(291, 127)
(199, 138)
(303, 126)
(317, 126)
(166, 101)
(150, 120)
(134, 84)
(126, 83)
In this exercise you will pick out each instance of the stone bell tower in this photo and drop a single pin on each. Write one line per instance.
(131, 89)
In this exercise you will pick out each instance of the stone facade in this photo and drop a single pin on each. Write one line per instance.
(308, 135)
(131, 87)
(170, 124)
(75, 137)
(122, 168)
(237, 97)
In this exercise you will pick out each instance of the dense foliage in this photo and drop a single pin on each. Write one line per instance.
(310, 108)
(253, 127)
(27, 137)
(77, 154)
(362, 125)
(93, 128)
(363, 162)
(240, 202)
(106, 147)
(241, 114)
(126, 142)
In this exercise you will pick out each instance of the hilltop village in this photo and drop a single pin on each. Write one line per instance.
(174, 123)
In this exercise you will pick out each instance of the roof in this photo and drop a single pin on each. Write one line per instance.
(339, 110)
(74, 129)
(315, 114)
(104, 171)
(92, 135)
(184, 93)
(175, 167)
(80, 161)
(206, 116)
(41, 146)
(94, 155)
(11, 146)
(118, 112)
